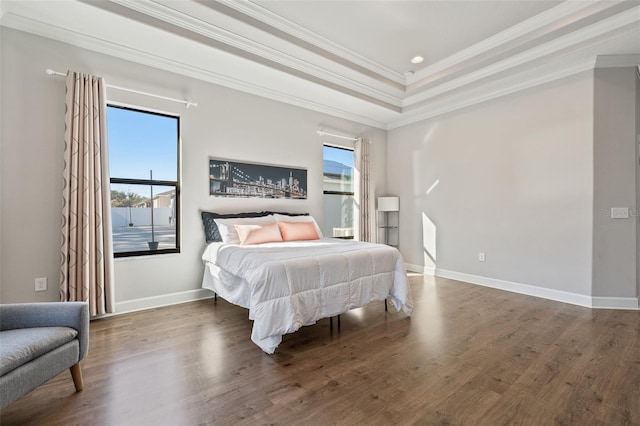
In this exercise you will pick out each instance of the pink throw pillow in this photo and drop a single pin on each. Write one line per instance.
(295, 231)
(258, 234)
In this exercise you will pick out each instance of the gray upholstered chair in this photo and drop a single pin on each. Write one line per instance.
(38, 341)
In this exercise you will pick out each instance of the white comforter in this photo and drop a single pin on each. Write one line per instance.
(288, 285)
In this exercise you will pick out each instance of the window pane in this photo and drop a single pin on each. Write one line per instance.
(141, 141)
(144, 216)
(131, 209)
(338, 169)
(338, 215)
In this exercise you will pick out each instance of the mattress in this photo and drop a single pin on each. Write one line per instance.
(291, 284)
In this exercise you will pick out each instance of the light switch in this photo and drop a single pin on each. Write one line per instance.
(619, 212)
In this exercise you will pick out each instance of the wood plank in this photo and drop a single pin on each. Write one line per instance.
(469, 355)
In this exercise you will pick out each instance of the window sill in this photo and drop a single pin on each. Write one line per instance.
(146, 256)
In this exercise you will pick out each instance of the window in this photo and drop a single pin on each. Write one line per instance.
(338, 192)
(145, 188)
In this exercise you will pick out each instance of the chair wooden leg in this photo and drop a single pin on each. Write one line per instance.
(76, 374)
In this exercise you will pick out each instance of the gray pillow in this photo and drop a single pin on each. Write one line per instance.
(211, 232)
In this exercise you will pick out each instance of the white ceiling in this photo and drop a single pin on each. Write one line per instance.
(392, 32)
(350, 58)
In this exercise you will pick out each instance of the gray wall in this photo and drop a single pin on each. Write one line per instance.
(529, 179)
(637, 212)
(227, 124)
(614, 240)
(511, 177)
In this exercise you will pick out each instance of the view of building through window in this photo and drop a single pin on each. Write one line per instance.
(143, 163)
(338, 202)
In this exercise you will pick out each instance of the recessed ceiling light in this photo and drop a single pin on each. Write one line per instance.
(417, 59)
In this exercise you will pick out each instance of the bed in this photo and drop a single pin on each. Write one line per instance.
(289, 283)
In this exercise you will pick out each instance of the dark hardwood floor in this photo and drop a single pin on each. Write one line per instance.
(468, 356)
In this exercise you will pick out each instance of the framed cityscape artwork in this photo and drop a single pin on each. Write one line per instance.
(240, 179)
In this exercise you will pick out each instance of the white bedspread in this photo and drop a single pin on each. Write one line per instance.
(288, 285)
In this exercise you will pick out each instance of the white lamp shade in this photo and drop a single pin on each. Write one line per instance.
(388, 204)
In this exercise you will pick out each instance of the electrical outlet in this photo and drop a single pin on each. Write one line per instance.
(481, 257)
(41, 284)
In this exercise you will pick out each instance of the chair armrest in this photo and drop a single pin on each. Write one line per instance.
(52, 314)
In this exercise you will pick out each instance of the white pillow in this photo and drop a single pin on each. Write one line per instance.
(286, 218)
(227, 227)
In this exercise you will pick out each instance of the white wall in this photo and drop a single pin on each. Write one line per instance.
(512, 178)
(226, 124)
(141, 216)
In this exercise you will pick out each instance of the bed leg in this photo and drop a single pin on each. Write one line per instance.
(330, 323)
(338, 322)
(215, 297)
(385, 306)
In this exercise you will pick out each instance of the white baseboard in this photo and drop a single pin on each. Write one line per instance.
(530, 290)
(159, 301)
(426, 270)
(629, 303)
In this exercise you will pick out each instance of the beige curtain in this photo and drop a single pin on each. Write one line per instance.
(86, 271)
(363, 189)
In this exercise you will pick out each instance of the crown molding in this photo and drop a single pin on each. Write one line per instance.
(617, 61)
(138, 56)
(280, 23)
(241, 43)
(588, 34)
(527, 80)
(560, 12)
(562, 57)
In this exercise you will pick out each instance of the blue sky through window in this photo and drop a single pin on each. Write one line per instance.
(342, 156)
(139, 142)
(338, 169)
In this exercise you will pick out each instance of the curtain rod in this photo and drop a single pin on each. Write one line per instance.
(124, 89)
(322, 133)
(349, 138)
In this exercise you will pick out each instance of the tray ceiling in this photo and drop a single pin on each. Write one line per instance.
(350, 58)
